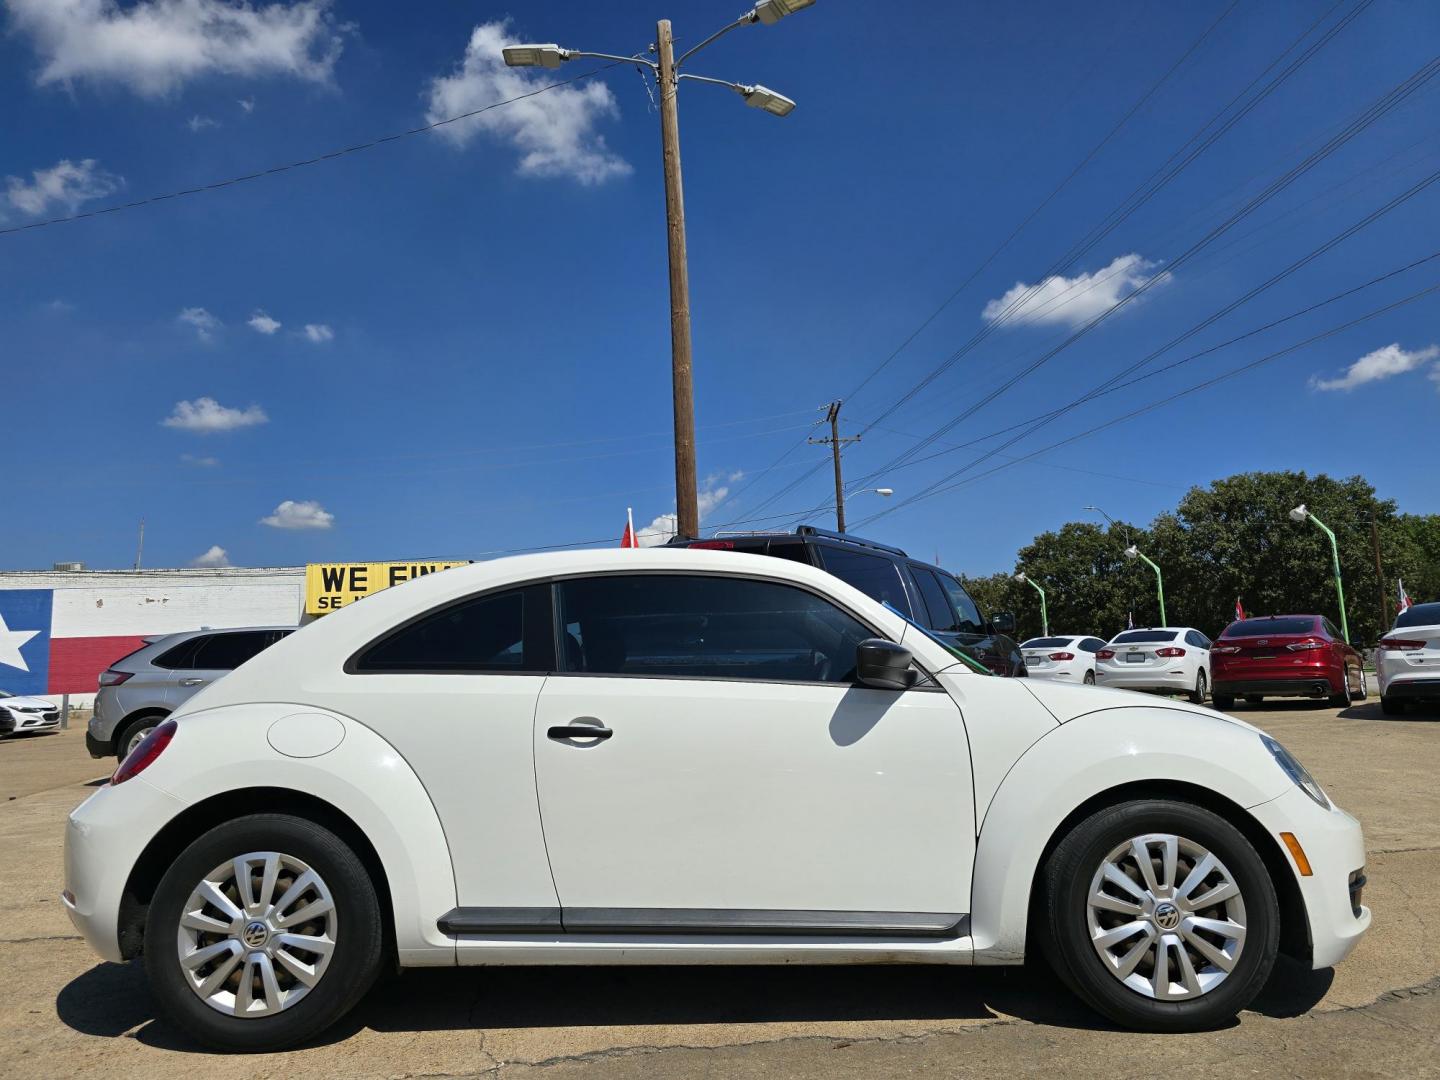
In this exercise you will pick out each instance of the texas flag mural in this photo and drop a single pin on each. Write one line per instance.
(46, 648)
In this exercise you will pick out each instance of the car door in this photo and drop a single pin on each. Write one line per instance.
(739, 780)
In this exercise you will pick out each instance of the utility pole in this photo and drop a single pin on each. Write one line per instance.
(835, 442)
(140, 547)
(1379, 577)
(687, 506)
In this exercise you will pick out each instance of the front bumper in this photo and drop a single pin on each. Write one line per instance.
(104, 837)
(1334, 845)
(27, 721)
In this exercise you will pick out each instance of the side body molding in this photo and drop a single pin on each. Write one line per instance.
(1078, 760)
(362, 776)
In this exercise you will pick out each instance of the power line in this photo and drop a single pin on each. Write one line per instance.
(276, 170)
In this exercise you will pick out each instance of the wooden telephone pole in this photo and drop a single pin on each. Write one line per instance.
(1379, 578)
(835, 442)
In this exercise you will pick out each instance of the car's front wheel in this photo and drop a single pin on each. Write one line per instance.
(263, 933)
(1160, 915)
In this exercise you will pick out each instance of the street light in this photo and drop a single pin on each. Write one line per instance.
(1302, 514)
(1044, 615)
(1133, 552)
(667, 74)
(1112, 521)
(883, 492)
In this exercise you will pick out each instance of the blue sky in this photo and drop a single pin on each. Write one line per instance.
(458, 343)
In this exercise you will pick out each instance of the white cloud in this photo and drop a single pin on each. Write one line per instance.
(711, 494)
(204, 323)
(306, 514)
(554, 131)
(205, 416)
(1073, 301)
(215, 556)
(263, 323)
(318, 333)
(66, 183)
(199, 123)
(247, 104)
(1381, 364)
(153, 46)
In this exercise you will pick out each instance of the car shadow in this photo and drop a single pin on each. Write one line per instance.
(112, 1000)
(1370, 710)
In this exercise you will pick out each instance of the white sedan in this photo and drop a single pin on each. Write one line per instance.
(1407, 661)
(670, 756)
(1168, 658)
(1065, 659)
(22, 715)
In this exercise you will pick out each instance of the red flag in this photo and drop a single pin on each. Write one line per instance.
(629, 539)
(1404, 601)
(1239, 611)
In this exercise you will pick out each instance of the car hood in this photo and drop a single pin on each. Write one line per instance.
(26, 703)
(1067, 703)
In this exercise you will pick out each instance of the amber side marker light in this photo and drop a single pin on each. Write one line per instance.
(1297, 853)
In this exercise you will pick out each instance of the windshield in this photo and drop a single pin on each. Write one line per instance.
(1046, 643)
(949, 647)
(1419, 615)
(1138, 636)
(1304, 624)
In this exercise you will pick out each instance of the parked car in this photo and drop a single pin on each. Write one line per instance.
(1407, 662)
(25, 715)
(930, 595)
(1172, 658)
(1065, 659)
(140, 690)
(1286, 656)
(671, 756)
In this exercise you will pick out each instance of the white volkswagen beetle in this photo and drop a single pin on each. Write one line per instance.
(689, 757)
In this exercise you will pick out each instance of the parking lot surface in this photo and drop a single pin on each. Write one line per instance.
(62, 1012)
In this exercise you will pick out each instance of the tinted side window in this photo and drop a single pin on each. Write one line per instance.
(970, 621)
(483, 633)
(874, 575)
(1335, 635)
(941, 615)
(705, 627)
(1091, 644)
(180, 656)
(226, 652)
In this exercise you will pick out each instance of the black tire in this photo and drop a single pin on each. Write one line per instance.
(354, 965)
(1343, 698)
(1197, 696)
(1364, 692)
(1254, 699)
(1392, 706)
(1089, 678)
(139, 725)
(1223, 701)
(1066, 933)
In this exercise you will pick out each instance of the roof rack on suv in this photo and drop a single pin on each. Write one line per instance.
(847, 538)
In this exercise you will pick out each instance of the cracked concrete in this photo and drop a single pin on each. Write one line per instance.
(1376, 1015)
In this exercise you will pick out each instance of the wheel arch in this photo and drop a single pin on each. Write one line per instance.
(129, 720)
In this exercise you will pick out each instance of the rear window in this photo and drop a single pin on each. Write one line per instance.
(1137, 637)
(1419, 615)
(1046, 643)
(1270, 627)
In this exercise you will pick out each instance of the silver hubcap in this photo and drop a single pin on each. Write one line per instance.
(1166, 917)
(256, 934)
(138, 738)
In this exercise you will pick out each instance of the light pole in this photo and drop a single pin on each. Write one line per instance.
(1112, 521)
(1044, 615)
(667, 74)
(1300, 513)
(1134, 552)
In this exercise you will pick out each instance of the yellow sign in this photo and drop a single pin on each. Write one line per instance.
(333, 585)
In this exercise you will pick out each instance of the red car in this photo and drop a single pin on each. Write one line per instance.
(1285, 656)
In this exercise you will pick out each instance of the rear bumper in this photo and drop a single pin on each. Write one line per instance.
(1413, 689)
(98, 748)
(1149, 679)
(1311, 686)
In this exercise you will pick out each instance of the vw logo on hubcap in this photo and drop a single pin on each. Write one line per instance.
(255, 934)
(1167, 916)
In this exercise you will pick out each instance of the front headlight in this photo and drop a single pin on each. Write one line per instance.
(1297, 772)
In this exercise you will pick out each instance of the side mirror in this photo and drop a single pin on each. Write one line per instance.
(884, 665)
(1003, 622)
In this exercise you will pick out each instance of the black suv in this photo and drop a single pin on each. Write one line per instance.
(925, 593)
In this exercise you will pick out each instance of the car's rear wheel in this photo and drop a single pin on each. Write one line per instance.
(1392, 706)
(1364, 691)
(1223, 701)
(135, 731)
(1160, 915)
(1254, 699)
(1345, 696)
(263, 933)
(1197, 696)
(1089, 678)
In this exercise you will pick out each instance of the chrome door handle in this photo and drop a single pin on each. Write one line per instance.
(192, 682)
(579, 731)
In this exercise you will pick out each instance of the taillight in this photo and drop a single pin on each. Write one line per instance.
(1301, 646)
(715, 545)
(1062, 656)
(144, 755)
(1401, 644)
(1105, 654)
(1224, 648)
(114, 678)
(1170, 650)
